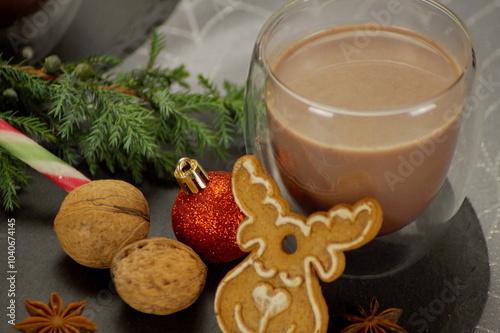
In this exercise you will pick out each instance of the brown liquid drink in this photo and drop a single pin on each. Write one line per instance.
(338, 124)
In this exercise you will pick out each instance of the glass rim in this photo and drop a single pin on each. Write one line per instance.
(412, 109)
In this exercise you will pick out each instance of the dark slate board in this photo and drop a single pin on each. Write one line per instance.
(444, 292)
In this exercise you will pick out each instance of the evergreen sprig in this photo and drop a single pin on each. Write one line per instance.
(129, 121)
(13, 177)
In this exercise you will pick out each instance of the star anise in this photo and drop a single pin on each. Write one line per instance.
(373, 321)
(53, 318)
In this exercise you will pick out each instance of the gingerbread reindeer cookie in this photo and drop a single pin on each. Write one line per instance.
(274, 289)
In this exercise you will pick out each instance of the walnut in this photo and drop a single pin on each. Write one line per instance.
(97, 219)
(158, 275)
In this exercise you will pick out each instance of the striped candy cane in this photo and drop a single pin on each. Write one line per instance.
(40, 159)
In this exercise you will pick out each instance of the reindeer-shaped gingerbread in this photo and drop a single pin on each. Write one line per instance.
(273, 290)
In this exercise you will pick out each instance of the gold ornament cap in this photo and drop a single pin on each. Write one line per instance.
(191, 177)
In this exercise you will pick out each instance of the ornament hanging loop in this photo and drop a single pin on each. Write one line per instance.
(190, 175)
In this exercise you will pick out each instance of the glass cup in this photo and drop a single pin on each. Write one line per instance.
(348, 99)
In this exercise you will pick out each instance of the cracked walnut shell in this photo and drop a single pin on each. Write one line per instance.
(99, 218)
(158, 275)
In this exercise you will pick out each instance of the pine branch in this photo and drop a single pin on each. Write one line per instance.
(224, 121)
(234, 103)
(129, 121)
(29, 125)
(157, 45)
(64, 95)
(30, 89)
(13, 177)
(166, 78)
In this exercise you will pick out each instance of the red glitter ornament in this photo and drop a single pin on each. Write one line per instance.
(205, 215)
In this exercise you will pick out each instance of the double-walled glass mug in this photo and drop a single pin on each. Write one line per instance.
(348, 99)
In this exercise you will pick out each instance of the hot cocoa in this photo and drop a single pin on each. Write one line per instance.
(365, 111)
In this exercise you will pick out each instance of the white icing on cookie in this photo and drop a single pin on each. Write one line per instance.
(261, 271)
(239, 320)
(291, 282)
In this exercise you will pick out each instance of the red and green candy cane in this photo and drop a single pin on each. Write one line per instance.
(40, 159)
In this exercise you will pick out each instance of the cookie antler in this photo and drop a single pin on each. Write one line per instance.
(344, 227)
(248, 177)
(258, 197)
